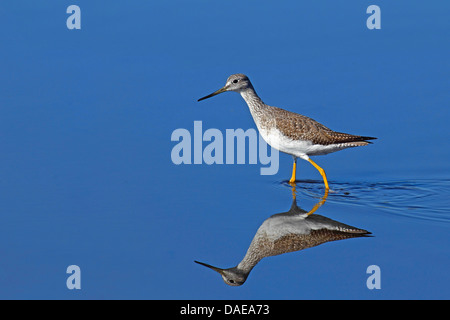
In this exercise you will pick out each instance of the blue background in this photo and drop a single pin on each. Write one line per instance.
(86, 175)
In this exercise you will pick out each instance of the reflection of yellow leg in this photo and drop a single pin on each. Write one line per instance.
(294, 193)
(322, 173)
(294, 169)
(320, 203)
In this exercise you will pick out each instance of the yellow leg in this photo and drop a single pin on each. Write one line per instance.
(294, 169)
(322, 173)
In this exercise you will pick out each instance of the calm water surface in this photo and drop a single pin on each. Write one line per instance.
(87, 179)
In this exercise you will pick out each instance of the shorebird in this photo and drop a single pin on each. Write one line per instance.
(285, 232)
(289, 132)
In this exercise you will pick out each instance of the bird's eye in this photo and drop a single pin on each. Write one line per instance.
(232, 281)
(235, 81)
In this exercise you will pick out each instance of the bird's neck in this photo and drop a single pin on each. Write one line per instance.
(253, 255)
(253, 101)
(247, 264)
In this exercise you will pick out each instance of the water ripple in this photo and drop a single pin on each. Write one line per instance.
(422, 199)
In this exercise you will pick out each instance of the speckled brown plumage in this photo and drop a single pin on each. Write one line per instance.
(266, 247)
(300, 127)
(264, 244)
(295, 242)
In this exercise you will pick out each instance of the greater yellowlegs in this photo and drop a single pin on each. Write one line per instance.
(290, 132)
(285, 232)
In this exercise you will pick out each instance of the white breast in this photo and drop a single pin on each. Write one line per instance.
(298, 148)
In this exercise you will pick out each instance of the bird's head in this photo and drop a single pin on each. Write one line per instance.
(231, 276)
(236, 82)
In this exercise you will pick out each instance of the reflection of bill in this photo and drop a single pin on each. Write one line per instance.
(285, 232)
(237, 142)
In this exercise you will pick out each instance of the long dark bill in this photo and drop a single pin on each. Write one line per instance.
(210, 266)
(213, 94)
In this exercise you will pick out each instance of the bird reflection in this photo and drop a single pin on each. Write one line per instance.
(289, 231)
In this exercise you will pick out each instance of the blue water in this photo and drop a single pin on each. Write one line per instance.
(86, 118)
